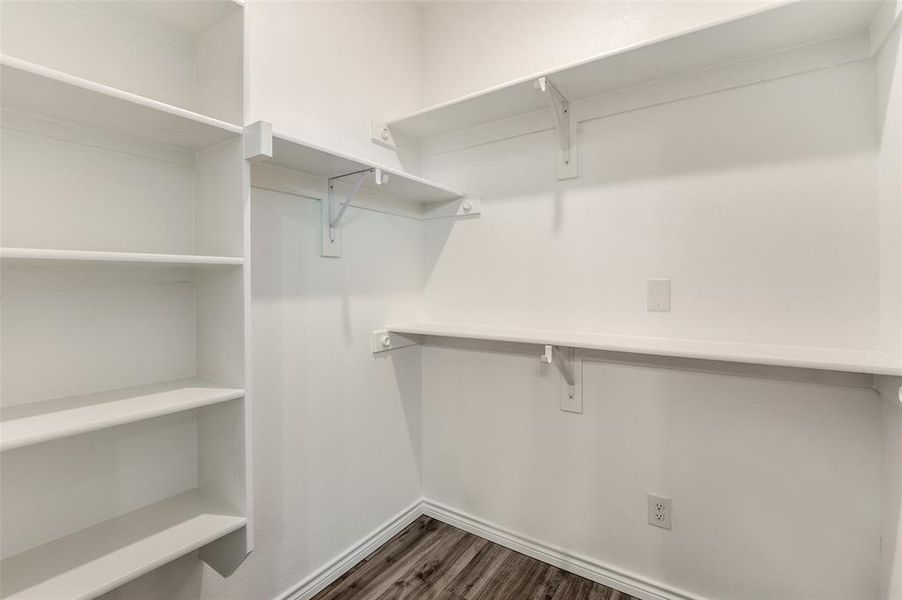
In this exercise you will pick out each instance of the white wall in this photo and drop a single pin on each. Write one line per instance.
(775, 484)
(322, 71)
(469, 46)
(766, 220)
(768, 223)
(890, 114)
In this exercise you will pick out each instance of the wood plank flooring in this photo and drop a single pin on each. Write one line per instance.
(431, 560)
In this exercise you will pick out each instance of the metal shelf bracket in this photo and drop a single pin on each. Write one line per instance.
(571, 373)
(333, 211)
(567, 166)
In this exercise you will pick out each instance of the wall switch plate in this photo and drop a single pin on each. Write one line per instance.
(659, 295)
(659, 513)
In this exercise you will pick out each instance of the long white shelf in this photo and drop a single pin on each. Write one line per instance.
(26, 424)
(49, 256)
(829, 359)
(309, 158)
(760, 32)
(97, 559)
(55, 95)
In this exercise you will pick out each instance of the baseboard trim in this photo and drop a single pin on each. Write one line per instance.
(344, 562)
(630, 583)
(623, 581)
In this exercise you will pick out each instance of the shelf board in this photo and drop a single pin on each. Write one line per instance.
(97, 559)
(309, 158)
(58, 96)
(33, 423)
(756, 33)
(49, 256)
(828, 359)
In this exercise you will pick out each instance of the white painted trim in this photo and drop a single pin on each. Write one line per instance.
(341, 564)
(618, 579)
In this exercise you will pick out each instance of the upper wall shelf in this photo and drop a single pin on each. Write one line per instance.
(309, 158)
(753, 34)
(828, 359)
(58, 96)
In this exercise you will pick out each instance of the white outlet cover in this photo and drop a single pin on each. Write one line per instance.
(659, 512)
(659, 295)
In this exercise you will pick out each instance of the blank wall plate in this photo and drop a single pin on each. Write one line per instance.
(659, 295)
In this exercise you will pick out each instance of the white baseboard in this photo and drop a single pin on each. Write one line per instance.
(344, 562)
(632, 584)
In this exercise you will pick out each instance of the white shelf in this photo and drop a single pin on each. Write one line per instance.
(95, 560)
(51, 94)
(33, 423)
(753, 34)
(829, 359)
(309, 158)
(49, 256)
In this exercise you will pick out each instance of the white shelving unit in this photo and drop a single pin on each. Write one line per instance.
(126, 293)
(829, 359)
(760, 32)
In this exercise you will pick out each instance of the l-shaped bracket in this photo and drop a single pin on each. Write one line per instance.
(570, 368)
(331, 214)
(567, 165)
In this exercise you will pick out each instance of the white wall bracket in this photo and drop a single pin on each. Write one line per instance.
(381, 134)
(571, 376)
(384, 340)
(258, 141)
(567, 165)
(331, 213)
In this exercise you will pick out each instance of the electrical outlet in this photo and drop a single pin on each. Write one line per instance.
(658, 295)
(659, 513)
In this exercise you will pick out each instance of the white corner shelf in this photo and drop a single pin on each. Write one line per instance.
(32, 423)
(50, 256)
(827, 359)
(298, 155)
(95, 560)
(763, 31)
(58, 96)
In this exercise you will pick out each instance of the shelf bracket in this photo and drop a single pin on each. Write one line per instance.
(258, 141)
(333, 213)
(571, 374)
(567, 166)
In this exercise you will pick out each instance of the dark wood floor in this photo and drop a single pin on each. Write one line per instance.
(431, 560)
